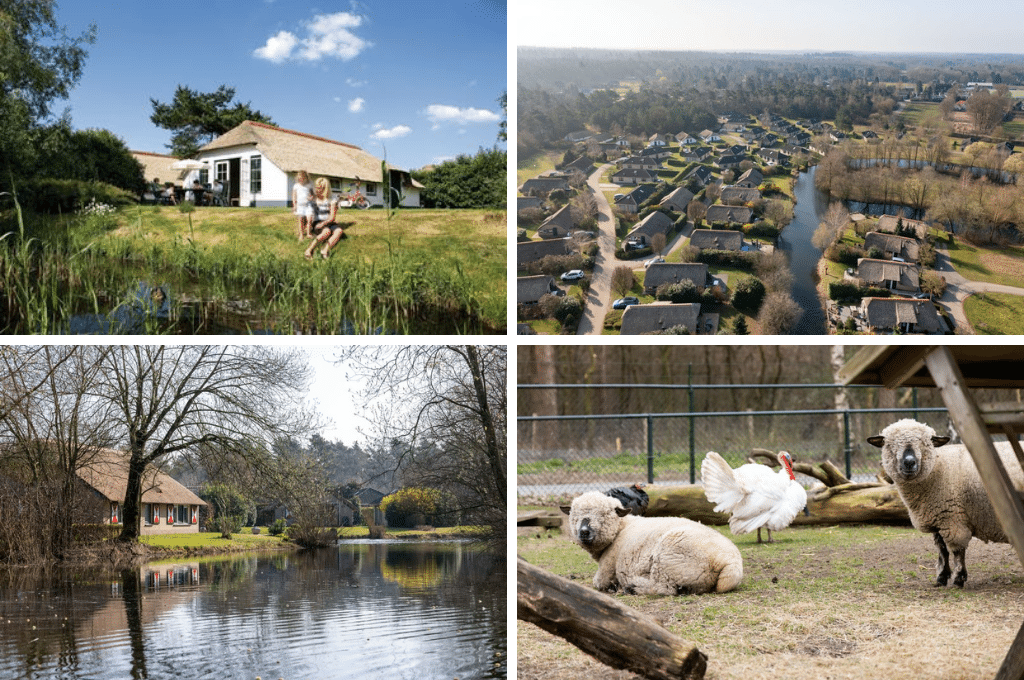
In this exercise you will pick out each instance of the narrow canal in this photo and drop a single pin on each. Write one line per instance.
(795, 241)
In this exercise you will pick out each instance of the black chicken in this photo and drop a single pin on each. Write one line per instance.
(633, 498)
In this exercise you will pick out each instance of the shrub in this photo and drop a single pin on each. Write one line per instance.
(844, 254)
(569, 311)
(401, 506)
(278, 527)
(62, 196)
(748, 295)
(684, 291)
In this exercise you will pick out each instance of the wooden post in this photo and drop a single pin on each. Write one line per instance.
(598, 624)
(1005, 501)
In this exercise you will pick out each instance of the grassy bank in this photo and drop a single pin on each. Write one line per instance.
(243, 270)
(819, 602)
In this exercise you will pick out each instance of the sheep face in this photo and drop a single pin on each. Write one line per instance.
(908, 449)
(594, 520)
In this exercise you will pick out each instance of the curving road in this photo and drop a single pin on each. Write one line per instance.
(599, 295)
(959, 288)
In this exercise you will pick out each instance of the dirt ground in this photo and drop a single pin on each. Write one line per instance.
(821, 603)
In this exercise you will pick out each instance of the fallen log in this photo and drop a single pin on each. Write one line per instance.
(614, 634)
(876, 504)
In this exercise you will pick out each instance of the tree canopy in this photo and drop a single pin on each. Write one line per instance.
(196, 118)
(39, 64)
(466, 182)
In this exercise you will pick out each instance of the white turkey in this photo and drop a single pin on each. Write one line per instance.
(753, 495)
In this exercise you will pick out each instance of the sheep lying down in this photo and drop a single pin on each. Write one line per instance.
(943, 492)
(651, 555)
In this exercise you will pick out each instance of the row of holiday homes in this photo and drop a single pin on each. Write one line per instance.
(258, 163)
(169, 507)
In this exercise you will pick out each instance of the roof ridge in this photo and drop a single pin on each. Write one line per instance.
(300, 134)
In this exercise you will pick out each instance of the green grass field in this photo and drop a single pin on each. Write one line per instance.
(422, 271)
(995, 313)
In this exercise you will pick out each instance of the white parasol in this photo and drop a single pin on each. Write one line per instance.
(188, 164)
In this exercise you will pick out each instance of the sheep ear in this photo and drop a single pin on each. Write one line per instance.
(622, 512)
(566, 508)
(878, 440)
(940, 441)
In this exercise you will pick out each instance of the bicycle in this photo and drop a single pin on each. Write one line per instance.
(355, 199)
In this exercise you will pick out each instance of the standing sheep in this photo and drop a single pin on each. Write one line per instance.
(652, 555)
(942, 491)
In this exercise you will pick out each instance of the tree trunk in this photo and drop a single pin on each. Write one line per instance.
(131, 509)
(877, 504)
(614, 634)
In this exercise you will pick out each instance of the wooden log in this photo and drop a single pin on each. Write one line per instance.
(873, 505)
(614, 634)
(539, 518)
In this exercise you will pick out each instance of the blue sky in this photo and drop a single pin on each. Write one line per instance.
(952, 26)
(422, 78)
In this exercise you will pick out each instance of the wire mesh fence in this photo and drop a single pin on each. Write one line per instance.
(569, 453)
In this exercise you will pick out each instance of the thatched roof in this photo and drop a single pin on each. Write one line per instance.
(158, 166)
(885, 313)
(659, 316)
(107, 473)
(717, 239)
(673, 272)
(292, 151)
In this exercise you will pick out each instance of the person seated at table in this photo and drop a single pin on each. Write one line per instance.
(170, 194)
(325, 225)
(196, 193)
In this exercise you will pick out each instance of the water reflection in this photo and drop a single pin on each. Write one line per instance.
(364, 610)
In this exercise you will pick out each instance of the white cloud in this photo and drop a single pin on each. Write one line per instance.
(352, 82)
(327, 36)
(381, 132)
(442, 113)
(278, 48)
(356, 105)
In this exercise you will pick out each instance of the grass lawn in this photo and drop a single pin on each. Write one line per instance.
(995, 313)
(540, 162)
(1005, 265)
(820, 602)
(213, 542)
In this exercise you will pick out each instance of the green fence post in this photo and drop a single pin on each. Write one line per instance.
(650, 449)
(693, 439)
(847, 450)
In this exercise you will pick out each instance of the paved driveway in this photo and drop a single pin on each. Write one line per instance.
(959, 288)
(599, 296)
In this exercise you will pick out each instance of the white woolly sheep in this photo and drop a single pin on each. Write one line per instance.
(942, 491)
(651, 555)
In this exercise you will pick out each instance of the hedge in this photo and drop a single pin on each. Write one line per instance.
(62, 196)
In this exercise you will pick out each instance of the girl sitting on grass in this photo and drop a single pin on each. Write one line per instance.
(327, 229)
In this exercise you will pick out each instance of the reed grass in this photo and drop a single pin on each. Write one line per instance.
(430, 271)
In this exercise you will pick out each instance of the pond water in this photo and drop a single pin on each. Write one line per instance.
(368, 609)
(795, 241)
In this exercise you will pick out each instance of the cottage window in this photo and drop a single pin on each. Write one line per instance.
(371, 189)
(255, 174)
(115, 513)
(182, 514)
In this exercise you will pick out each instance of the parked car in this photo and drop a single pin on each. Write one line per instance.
(653, 260)
(573, 275)
(622, 303)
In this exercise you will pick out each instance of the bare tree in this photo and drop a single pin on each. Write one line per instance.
(50, 430)
(622, 280)
(779, 313)
(447, 403)
(696, 210)
(831, 228)
(172, 399)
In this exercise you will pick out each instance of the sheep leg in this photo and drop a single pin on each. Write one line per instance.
(942, 565)
(959, 567)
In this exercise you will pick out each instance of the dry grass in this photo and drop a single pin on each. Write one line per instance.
(820, 603)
